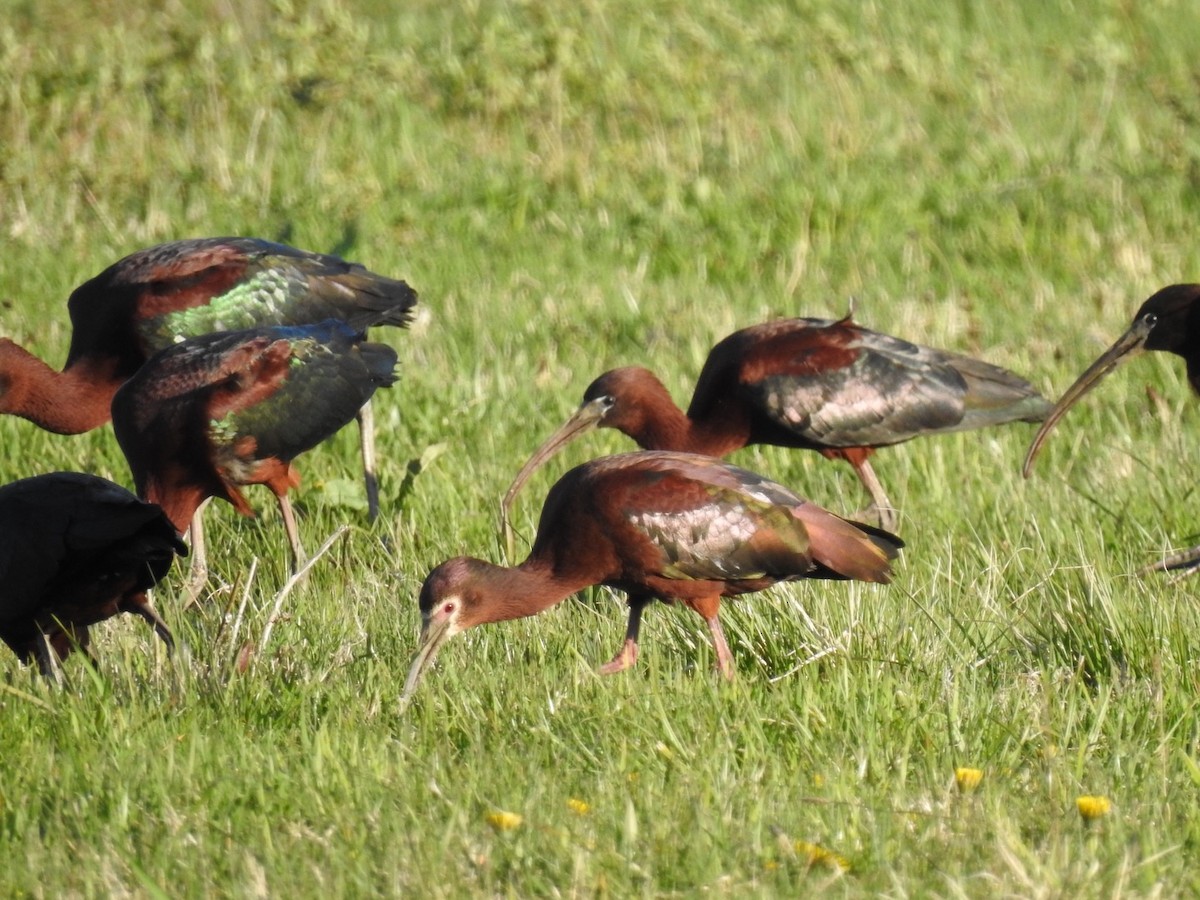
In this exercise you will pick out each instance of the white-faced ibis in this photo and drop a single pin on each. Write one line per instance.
(158, 296)
(219, 411)
(1169, 320)
(817, 384)
(76, 550)
(657, 525)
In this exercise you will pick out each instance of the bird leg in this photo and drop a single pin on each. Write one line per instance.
(724, 657)
(628, 653)
(47, 658)
(198, 570)
(293, 533)
(1185, 563)
(366, 435)
(709, 607)
(881, 507)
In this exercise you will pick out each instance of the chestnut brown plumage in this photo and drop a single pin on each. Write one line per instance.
(75, 550)
(1169, 320)
(830, 386)
(657, 525)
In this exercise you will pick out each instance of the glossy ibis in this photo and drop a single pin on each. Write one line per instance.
(1169, 320)
(817, 384)
(657, 525)
(76, 550)
(158, 296)
(219, 411)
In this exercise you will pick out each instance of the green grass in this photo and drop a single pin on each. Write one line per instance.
(577, 186)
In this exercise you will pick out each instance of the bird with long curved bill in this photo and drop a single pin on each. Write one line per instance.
(75, 550)
(1168, 320)
(156, 297)
(217, 412)
(656, 525)
(817, 384)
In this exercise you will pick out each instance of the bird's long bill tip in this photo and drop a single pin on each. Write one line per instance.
(433, 635)
(1127, 346)
(584, 419)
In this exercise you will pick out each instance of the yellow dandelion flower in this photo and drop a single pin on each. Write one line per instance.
(504, 821)
(967, 779)
(770, 865)
(818, 780)
(578, 806)
(1093, 807)
(817, 855)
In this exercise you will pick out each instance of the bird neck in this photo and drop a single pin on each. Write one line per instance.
(178, 501)
(659, 424)
(69, 402)
(720, 439)
(524, 590)
(1193, 371)
(670, 429)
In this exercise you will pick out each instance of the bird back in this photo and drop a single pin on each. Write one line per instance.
(331, 373)
(161, 295)
(692, 517)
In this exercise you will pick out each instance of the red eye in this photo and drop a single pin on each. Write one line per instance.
(448, 608)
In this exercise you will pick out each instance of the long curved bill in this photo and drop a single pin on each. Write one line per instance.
(433, 634)
(584, 419)
(1127, 346)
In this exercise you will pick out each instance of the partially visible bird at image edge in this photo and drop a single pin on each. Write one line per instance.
(1169, 320)
(75, 550)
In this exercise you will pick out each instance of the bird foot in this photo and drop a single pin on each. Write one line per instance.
(624, 659)
(1183, 563)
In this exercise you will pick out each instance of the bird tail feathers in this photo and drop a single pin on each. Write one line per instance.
(849, 549)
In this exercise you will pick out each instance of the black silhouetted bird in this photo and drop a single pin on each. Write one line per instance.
(75, 550)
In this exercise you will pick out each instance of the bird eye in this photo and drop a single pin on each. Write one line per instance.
(1150, 319)
(448, 608)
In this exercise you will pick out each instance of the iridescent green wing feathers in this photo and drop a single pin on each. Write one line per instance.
(251, 395)
(158, 296)
(331, 373)
(279, 285)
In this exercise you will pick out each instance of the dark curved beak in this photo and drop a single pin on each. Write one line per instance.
(586, 418)
(1128, 345)
(434, 633)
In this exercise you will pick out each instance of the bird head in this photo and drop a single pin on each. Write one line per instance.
(1162, 323)
(624, 399)
(451, 601)
(1167, 318)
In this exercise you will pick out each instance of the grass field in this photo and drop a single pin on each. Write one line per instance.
(574, 186)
